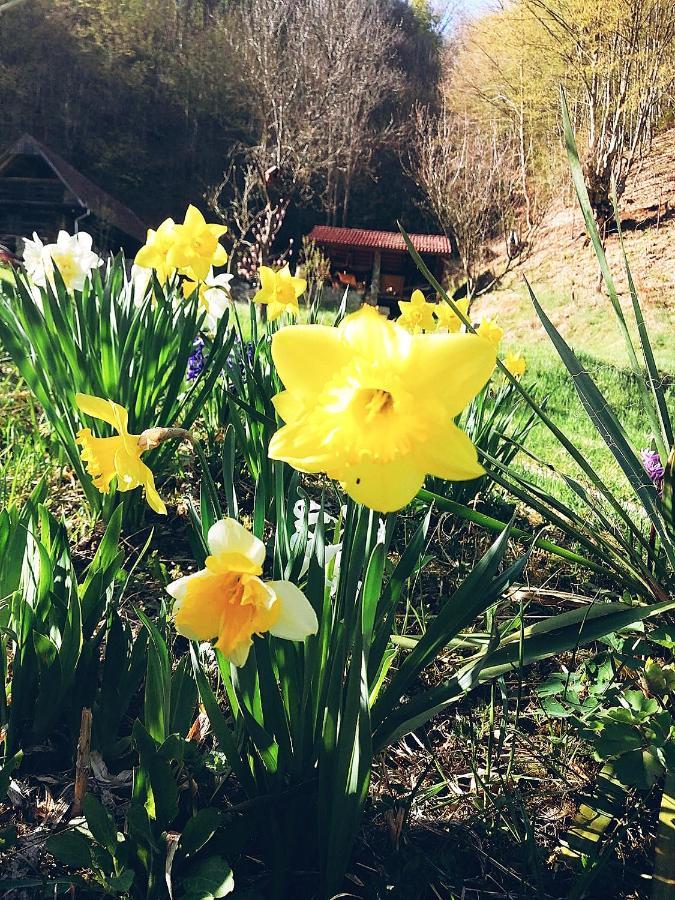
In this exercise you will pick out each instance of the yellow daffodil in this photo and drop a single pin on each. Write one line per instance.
(280, 291)
(516, 364)
(227, 600)
(153, 254)
(195, 246)
(416, 315)
(489, 330)
(115, 457)
(373, 406)
(448, 319)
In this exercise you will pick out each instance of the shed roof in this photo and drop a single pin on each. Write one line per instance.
(434, 244)
(88, 194)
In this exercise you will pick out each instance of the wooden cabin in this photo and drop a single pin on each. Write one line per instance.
(40, 192)
(377, 263)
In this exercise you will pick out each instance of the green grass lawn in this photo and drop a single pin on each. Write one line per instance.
(591, 329)
(550, 380)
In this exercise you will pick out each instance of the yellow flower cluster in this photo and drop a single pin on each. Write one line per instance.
(190, 248)
(418, 316)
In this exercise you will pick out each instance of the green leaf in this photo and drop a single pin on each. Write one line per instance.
(70, 847)
(664, 851)
(207, 879)
(638, 768)
(592, 229)
(609, 428)
(199, 830)
(220, 727)
(100, 823)
(9, 766)
(157, 684)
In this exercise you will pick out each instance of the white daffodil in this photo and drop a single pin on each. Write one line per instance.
(73, 257)
(37, 261)
(229, 601)
(214, 294)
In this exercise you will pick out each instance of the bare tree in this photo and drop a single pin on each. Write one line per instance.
(316, 73)
(247, 201)
(468, 176)
(620, 56)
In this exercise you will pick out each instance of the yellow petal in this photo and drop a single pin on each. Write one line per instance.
(453, 367)
(194, 220)
(449, 454)
(297, 619)
(219, 256)
(189, 287)
(199, 605)
(200, 266)
(99, 456)
(306, 357)
(300, 447)
(274, 310)
(216, 230)
(267, 290)
(109, 412)
(366, 332)
(154, 500)
(257, 613)
(384, 487)
(288, 405)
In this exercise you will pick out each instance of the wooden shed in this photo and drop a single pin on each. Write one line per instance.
(41, 192)
(378, 262)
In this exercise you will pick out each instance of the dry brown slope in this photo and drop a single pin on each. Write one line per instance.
(564, 272)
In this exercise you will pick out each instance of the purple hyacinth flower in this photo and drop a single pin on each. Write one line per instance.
(653, 466)
(196, 360)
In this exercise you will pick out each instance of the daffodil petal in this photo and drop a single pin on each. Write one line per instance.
(452, 366)
(193, 218)
(306, 357)
(198, 607)
(450, 455)
(297, 619)
(300, 447)
(267, 281)
(106, 410)
(219, 256)
(239, 654)
(154, 500)
(288, 405)
(366, 331)
(384, 487)
(274, 310)
(229, 537)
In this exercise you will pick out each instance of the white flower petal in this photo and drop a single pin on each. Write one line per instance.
(228, 536)
(298, 619)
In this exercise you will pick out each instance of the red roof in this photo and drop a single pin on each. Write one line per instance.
(379, 240)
